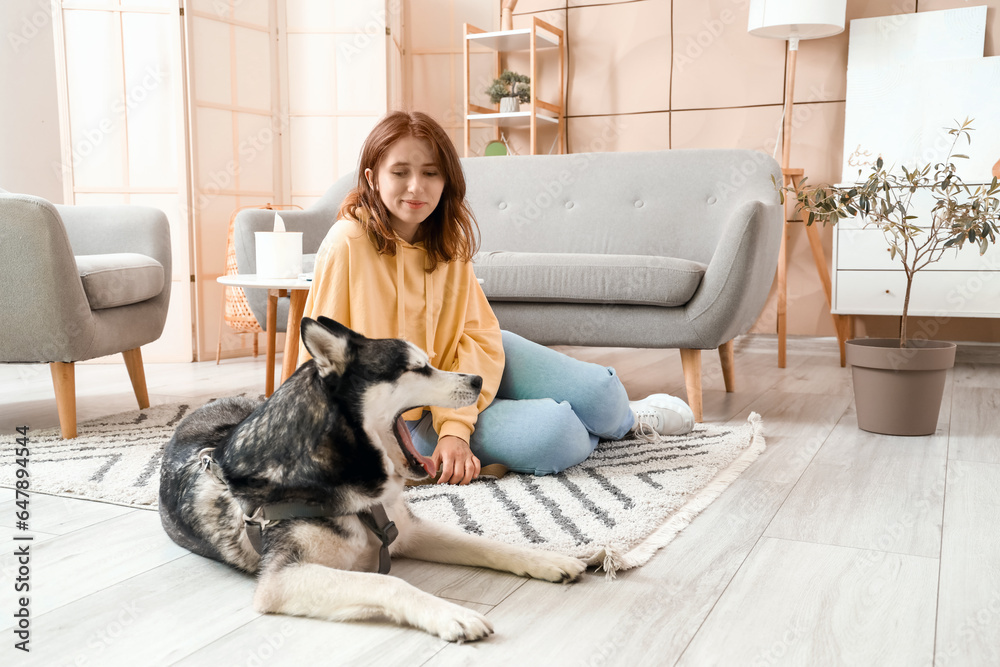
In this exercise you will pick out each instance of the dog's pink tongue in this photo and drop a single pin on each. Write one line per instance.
(404, 434)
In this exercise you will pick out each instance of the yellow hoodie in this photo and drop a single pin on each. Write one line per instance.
(360, 288)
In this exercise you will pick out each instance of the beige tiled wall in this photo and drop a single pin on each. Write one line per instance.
(434, 63)
(658, 74)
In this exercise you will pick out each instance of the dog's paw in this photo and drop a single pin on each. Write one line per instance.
(549, 566)
(455, 623)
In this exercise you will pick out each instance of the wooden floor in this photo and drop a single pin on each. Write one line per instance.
(837, 547)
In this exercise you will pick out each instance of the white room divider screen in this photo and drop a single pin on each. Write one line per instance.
(343, 73)
(122, 126)
(236, 138)
(199, 107)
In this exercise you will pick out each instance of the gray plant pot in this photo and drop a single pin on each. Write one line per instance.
(897, 390)
(509, 105)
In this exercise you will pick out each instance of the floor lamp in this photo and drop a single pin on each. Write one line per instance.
(794, 20)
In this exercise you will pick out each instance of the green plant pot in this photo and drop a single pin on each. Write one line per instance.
(897, 390)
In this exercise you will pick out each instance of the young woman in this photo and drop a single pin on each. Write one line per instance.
(397, 264)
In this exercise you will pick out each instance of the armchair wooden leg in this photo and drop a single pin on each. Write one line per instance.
(726, 356)
(691, 363)
(64, 383)
(133, 362)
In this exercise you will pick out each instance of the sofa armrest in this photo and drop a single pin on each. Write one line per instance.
(336, 193)
(47, 312)
(739, 275)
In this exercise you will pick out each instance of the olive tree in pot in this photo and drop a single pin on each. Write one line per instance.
(899, 383)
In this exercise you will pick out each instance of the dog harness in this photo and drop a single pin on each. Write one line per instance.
(374, 518)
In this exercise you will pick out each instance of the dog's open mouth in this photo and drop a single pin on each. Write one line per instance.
(415, 458)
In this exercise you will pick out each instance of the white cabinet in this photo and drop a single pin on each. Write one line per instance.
(866, 281)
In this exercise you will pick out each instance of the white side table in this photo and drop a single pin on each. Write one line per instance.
(297, 290)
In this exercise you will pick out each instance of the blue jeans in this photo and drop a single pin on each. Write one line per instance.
(548, 414)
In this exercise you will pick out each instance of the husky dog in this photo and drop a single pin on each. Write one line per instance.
(324, 455)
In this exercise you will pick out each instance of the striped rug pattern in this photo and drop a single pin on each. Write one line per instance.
(114, 459)
(615, 509)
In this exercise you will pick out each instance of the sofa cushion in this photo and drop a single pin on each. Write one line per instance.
(119, 279)
(588, 278)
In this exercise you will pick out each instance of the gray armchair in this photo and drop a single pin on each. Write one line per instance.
(81, 282)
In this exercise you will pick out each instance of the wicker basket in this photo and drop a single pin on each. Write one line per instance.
(235, 310)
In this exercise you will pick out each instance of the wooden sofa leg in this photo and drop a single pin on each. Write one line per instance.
(691, 363)
(133, 362)
(726, 356)
(64, 383)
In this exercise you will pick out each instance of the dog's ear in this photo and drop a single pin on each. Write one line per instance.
(328, 342)
(336, 327)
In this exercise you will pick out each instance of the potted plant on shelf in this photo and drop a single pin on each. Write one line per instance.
(509, 90)
(899, 383)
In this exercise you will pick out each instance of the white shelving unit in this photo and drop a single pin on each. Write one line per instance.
(540, 35)
(516, 118)
(516, 40)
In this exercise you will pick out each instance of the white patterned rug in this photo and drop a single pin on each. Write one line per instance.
(113, 459)
(616, 509)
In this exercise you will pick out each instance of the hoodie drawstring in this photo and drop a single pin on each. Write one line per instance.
(400, 285)
(429, 315)
(428, 305)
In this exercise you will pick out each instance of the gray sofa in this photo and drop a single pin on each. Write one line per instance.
(658, 249)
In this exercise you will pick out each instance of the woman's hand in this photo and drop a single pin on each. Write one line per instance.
(455, 460)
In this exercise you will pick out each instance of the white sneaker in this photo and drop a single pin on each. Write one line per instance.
(661, 414)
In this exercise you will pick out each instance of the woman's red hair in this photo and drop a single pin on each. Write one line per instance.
(450, 231)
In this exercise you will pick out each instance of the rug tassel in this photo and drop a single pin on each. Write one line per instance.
(609, 560)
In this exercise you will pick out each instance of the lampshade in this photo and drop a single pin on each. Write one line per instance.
(801, 19)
